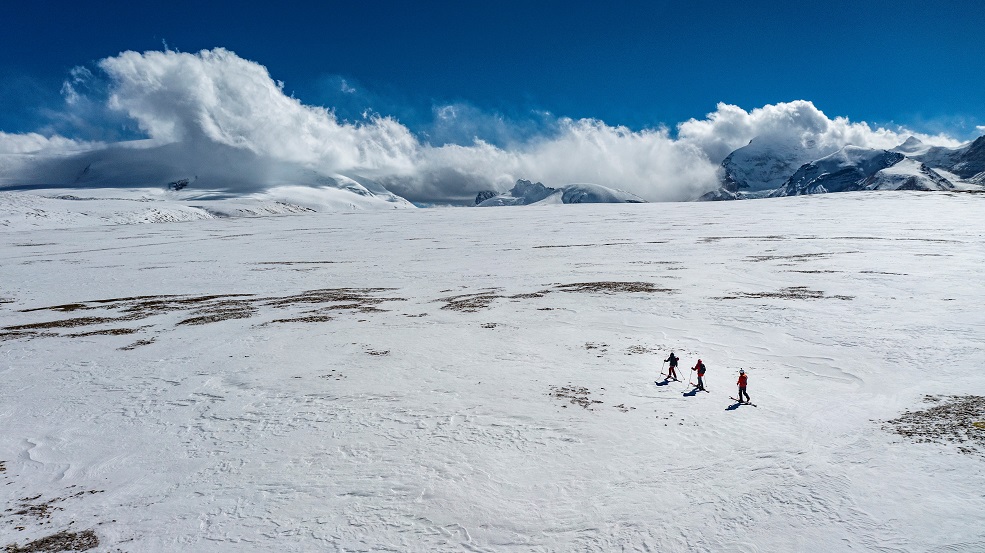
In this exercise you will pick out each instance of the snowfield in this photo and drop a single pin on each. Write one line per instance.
(82, 207)
(489, 379)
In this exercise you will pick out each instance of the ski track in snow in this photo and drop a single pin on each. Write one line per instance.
(416, 427)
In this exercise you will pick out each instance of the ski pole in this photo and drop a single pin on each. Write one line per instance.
(662, 368)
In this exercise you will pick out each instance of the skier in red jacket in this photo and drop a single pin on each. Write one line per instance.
(743, 379)
(700, 367)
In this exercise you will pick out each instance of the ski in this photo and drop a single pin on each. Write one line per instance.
(741, 402)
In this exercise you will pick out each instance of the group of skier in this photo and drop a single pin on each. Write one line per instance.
(699, 368)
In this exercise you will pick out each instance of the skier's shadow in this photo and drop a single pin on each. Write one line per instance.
(733, 407)
(664, 382)
(692, 393)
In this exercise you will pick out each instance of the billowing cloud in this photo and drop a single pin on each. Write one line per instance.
(216, 97)
(648, 163)
(731, 127)
(225, 120)
(34, 143)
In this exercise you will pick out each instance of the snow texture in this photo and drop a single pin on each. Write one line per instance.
(66, 208)
(484, 380)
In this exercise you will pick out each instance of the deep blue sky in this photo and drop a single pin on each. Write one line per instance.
(640, 64)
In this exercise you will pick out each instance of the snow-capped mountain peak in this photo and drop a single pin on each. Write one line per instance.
(767, 162)
(525, 192)
(782, 167)
(854, 168)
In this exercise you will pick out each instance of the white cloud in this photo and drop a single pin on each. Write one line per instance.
(730, 127)
(648, 163)
(216, 115)
(34, 143)
(217, 97)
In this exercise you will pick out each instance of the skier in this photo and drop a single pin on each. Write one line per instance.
(743, 378)
(672, 370)
(700, 367)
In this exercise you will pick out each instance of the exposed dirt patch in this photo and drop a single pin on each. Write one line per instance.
(207, 319)
(3, 466)
(530, 295)
(958, 420)
(655, 262)
(361, 299)
(305, 319)
(576, 395)
(214, 304)
(64, 308)
(710, 239)
(31, 507)
(203, 309)
(298, 262)
(107, 332)
(4, 336)
(378, 352)
(609, 287)
(137, 344)
(221, 311)
(61, 541)
(592, 345)
(584, 245)
(639, 350)
(69, 323)
(622, 407)
(488, 325)
(797, 257)
(882, 273)
(469, 303)
(791, 293)
(100, 304)
(892, 239)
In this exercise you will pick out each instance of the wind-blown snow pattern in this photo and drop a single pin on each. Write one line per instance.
(489, 379)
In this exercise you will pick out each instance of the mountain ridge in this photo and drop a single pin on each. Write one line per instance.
(754, 170)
